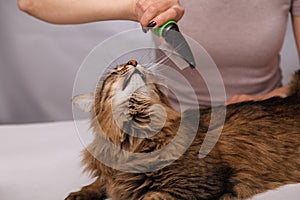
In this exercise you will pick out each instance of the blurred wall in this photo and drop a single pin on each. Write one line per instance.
(289, 55)
(39, 61)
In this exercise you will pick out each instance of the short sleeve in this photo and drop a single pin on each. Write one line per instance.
(295, 10)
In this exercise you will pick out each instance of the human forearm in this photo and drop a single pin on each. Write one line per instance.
(78, 11)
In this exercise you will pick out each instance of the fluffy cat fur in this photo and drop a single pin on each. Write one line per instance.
(258, 149)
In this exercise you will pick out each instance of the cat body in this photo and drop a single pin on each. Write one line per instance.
(258, 148)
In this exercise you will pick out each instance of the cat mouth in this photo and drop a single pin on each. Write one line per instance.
(136, 77)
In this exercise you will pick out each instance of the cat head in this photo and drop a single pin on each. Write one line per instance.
(129, 97)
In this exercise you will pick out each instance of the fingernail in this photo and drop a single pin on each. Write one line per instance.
(152, 24)
(144, 30)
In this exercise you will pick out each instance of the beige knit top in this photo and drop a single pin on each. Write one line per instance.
(243, 37)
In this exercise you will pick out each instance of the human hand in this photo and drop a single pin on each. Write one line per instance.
(157, 12)
(280, 92)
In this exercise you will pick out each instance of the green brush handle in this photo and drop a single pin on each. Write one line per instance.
(163, 30)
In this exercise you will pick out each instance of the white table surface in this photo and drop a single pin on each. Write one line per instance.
(42, 162)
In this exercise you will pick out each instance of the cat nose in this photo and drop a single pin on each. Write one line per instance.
(132, 62)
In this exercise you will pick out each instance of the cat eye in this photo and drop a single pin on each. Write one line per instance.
(117, 70)
(121, 69)
(114, 72)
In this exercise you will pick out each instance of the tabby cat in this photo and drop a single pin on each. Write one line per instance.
(258, 149)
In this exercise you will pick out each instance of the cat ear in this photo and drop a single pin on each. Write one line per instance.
(162, 86)
(83, 102)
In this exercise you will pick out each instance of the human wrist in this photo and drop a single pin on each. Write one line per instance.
(126, 10)
(132, 15)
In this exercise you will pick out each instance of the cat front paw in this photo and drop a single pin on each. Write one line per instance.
(158, 196)
(85, 195)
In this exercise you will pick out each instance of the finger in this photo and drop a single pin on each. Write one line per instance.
(171, 14)
(162, 11)
(150, 13)
(280, 92)
(141, 7)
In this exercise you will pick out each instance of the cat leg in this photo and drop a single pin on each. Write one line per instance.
(94, 191)
(241, 191)
(158, 196)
